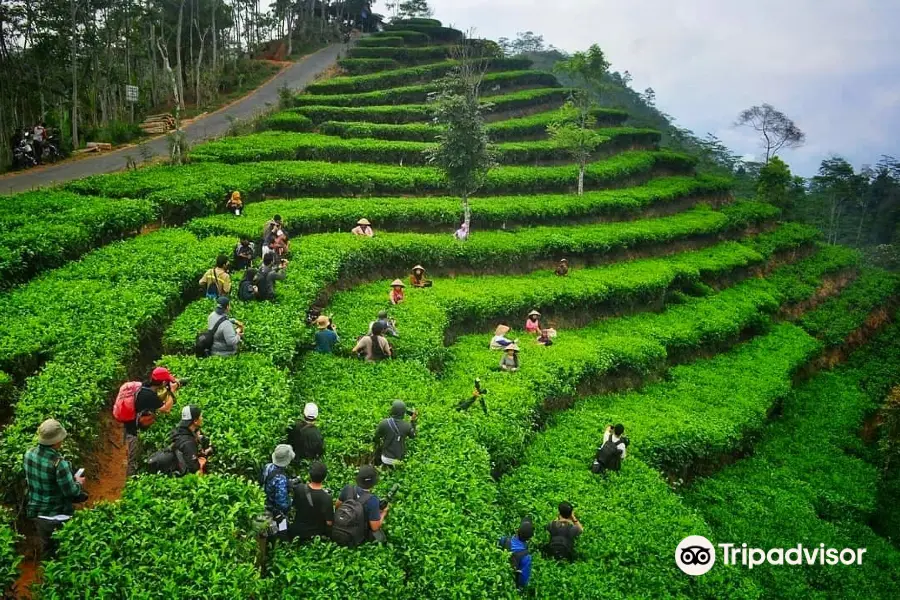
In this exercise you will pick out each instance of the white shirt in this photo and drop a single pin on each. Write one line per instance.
(616, 440)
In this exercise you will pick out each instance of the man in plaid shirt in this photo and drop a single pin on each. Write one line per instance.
(52, 488)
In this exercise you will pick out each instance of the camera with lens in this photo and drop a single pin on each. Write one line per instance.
(204, 445)
(390, 496)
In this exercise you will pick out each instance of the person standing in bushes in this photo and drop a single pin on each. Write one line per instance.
(235, 204)
(363, 228)
(268, 274)
(375, 346)
(358, 514)
(277, 487)
(533, 322)
(270, 232)
(52, 488)
(326, 337)
(216, 281)
(392, 433)
(304, 437)
(546, 337)
(390, 327)
(563, 268)
(247, 290)
(156, 394)
(563, 531)
(280, 245)
(499, 341)
(243, 254)
(187, 439)
(612, 452)
(519, 558)
(417, 277)
(396, 294)
(510, 360)
(228, 332)
(313, 506)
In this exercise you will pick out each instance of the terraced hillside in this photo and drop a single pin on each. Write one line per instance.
(740, 352)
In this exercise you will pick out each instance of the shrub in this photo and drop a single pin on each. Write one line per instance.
(9, 557)
(408, 37)
(366, 66)
(402, 54)
(434, 33)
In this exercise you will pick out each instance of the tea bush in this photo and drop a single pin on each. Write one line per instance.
(9, 557)
(408, 37)
(402, 54)
(366, 66)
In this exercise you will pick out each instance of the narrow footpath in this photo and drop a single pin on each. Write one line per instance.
(298, 76)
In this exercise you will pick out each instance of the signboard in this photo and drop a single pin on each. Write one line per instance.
(131, 93)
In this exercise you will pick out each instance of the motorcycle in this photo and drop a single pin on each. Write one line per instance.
(51, 151)
(23, 154)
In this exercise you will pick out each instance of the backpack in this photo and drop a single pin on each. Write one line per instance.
(350, 525)
(123, 409)
(168, 461)
(204, 342)
(608, 456)
(515, 559)
(245, 291)
(560, 546)
(212, 287)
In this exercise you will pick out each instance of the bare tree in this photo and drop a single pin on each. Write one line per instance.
(177, 137)
(776, 128)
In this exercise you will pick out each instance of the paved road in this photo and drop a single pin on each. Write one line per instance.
(297, 76)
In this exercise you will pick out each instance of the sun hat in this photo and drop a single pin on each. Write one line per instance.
(564, 260)
(310, 411)
(51, 432)
(367, 477)
(190, 413)
(397, 282)
(363, 222)
(398, 408)
(322, 322)
(512, 346)
(501, 329)
(418, 268)
(533, 313)
(162, 375)
(283, 455)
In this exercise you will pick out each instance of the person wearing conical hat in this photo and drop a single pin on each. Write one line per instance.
(510, 360)
(363, 228)
(235, 204)
(563, 269)
(417, 278)
(396, 294)
(499, 341)
(533, 322)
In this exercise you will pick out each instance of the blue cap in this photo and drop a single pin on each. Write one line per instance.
(223, 301)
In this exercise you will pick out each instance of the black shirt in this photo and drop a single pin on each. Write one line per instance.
(310, 521)
(391, 435)
(186, 441)
(306, 440)
(146, 400)
(565, 530)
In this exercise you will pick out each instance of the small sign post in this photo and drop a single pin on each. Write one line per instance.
(131, 96)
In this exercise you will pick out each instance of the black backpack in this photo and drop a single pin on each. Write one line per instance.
(204, 342)
(561, 545)
(377, 351)
(168, 461)
(350, 525)
(515, 559)
(608, 456)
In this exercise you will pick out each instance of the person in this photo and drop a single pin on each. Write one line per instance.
(313, 506)
(235, 204)
(390, 327)
(277, 487)
(611, 453)
(304, 437)
(533, 322)
(362, 517)
(326, 337)
(155, 394)
(187, 439)
(417, 277)
(270, 232)
(510, 360)
(396, 294)
(546, 337)
(391, 434)
(374, 346)
(363, 228)
(563, 269)
(563, 531)
(499, 341)
(229, 333)
(280, 245)
(268, 274)
(247, 289)
(462, 234)
(53, 489)
(520, 559)
(216, 281)
(243, 254)
(37, 141)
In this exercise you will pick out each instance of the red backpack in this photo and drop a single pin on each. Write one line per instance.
(123, 409)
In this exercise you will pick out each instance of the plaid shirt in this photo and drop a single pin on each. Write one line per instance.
(51, 484)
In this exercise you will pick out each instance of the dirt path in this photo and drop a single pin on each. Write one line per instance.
(297, 76)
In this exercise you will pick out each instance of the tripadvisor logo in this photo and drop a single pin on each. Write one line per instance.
(695, 555)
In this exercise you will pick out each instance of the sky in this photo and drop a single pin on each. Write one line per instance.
(833, 66)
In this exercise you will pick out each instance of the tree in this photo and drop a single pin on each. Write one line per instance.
(838, 182)
(774, 183)
(463, 152)
(575, 132)
(414, 8)
(526, 42)
(775, 128)
(588, 69)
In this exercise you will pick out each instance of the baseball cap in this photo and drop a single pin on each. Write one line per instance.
(223, 301)
(162, 375)
(190, 413)
(398, 408)
(311, 411)
(367, 477)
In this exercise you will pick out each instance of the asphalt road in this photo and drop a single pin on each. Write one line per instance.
(299, 75)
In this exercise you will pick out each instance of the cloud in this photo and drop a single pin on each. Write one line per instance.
(831, 65)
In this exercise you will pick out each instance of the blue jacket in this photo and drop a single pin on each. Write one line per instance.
(524, 563)
(276, 488)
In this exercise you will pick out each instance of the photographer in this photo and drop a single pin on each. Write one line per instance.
(272, 270)
(277, 487)
(388, 325)
(563, 531)
(227, 332)
(390, 437)
(157, 394)
(314, 509)
(611, 453)
(359, 513)
(52, 488)
(216, 281)
(187, 439)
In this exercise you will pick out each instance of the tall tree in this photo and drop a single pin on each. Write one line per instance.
(575, 132)
(774, 182)
(776, 129)
(414, 8)
(589, 69)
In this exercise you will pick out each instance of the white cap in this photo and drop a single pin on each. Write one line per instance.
(311, 411)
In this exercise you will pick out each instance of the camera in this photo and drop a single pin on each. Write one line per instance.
(390, 496)
(203, 445)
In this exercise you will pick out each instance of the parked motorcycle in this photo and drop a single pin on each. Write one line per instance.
(23, 153)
